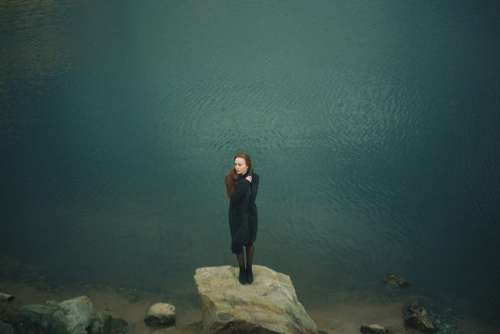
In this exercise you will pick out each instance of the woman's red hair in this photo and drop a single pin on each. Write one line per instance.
(231, 176)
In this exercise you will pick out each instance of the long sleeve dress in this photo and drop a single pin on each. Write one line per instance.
(243, 217)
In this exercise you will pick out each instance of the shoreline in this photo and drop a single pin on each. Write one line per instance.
(340, 317)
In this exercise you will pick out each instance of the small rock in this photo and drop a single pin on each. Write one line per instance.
(417, 317)
(160, 315)
(373, 329)
(396, 280)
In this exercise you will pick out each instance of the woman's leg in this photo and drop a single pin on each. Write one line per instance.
(241, 260)
(238, 250)
(242, 274)
(249, 251)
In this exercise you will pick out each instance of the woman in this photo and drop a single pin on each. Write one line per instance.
(241, 189)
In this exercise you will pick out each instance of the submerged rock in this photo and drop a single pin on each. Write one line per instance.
(396, 280)
(160, 315)
(373, 329)
(268, 305)
(417, 317)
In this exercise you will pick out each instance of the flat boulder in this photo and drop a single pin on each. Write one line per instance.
(268, 305)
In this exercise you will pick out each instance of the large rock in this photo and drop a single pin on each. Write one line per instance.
(268, 305)
(39, 318)
(72, 316)
(79, 316)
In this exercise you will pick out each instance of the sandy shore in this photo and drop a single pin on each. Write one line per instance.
(341, 317)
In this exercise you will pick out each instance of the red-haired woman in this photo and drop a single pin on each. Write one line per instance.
(241, 189)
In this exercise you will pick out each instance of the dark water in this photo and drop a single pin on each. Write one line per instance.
(373, 126)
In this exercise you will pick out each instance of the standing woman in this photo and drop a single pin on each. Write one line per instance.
(241, 189)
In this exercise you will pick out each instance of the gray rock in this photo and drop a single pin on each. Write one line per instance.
(268, 305)
(417, 317)
(78, 315)
(160, 315)
(72, 316)
(373, 329)
(39, 318)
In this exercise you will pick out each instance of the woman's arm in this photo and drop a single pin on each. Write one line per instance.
(255, 187)
(242, 187)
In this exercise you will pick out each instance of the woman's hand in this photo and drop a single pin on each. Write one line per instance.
(249, 178)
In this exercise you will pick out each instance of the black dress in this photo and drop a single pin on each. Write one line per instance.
(243, 211)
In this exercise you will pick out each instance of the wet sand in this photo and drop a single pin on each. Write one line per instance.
(340, 317)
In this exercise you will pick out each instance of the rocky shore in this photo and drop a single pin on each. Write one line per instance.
(269, 305)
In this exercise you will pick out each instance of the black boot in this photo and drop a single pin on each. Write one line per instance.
(249, 274)
(241, 262)
(248, 267)
(243, 275)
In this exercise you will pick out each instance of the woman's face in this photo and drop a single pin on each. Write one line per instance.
(240, 165)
